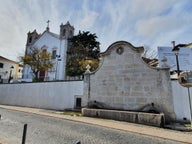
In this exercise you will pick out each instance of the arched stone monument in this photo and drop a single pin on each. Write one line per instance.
(124, 81)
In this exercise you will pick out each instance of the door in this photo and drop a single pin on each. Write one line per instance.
(78, 102)
(42, 75)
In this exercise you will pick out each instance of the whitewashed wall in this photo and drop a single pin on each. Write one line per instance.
(181, 101)
(50, 95)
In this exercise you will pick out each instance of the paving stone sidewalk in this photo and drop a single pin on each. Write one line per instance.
(180, 136)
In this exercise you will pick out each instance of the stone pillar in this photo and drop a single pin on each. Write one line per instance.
(87, 86)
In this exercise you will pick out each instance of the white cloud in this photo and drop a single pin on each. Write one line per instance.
(140, 22)
(162, 29)
(88, 20)
(19, 17)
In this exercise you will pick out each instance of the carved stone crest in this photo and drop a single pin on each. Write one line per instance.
(120, 50)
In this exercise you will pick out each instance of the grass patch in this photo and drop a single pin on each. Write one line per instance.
(188, 125)
(71, 113)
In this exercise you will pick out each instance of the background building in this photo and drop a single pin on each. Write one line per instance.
(53, 43)
(9, 70)
(167, 58)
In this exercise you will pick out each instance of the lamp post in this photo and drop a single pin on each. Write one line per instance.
(175, 50)
(10, 74)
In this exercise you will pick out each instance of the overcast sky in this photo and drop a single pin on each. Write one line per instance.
(149, 23)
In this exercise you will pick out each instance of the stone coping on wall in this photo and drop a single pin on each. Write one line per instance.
(127, 116)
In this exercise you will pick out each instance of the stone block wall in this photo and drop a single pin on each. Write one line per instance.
(124, 81)
(135, 117)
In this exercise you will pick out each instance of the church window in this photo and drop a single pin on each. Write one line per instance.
(64, 32)
(44, 50)
(54, 54)
(30, 39)
(1, 65)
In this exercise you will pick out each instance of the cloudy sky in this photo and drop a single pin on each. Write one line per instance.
(149, 23)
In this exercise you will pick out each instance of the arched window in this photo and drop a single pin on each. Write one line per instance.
(1, 65)
(44, 48)
(54, 54)
(30, 39)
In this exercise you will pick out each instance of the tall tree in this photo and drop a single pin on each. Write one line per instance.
(38, 60)
(84, 50)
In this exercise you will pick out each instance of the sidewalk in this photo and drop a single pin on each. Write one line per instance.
(179, 136)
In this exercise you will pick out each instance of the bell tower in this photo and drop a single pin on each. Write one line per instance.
(32, 37)
(66, 31)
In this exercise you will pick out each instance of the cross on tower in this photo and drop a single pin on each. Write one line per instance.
(48, 23)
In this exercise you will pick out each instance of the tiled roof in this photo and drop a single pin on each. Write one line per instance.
(1, 57)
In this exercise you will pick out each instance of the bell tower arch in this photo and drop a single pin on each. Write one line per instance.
(32, 37)
(66, 31)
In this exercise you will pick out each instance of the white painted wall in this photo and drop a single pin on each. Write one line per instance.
(49, 95)
(51, 43)
(181, 101)
(57, 44)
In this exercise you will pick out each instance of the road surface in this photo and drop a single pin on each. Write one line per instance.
(49, 130)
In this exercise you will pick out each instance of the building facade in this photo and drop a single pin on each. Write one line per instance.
(9, 70)
(57, 45)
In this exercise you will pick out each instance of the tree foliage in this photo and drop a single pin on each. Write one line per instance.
(77, 66)
(84, 50)
(85, 45)
(38, 60)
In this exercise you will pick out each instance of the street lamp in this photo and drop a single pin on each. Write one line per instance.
(10, 74)
(175, 50)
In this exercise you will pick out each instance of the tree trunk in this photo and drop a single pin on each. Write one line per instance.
(36, 76)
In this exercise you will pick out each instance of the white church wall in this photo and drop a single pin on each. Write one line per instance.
(47, 40)
(62, 63)
(47, 95)
(27, 73)
(51, 43)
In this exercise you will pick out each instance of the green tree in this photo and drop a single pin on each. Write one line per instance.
(38, 60)
(85, 45)
(84, 50)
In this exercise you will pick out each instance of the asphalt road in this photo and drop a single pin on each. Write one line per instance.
(49, 130)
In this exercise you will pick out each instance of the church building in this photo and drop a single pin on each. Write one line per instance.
(57, 45)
